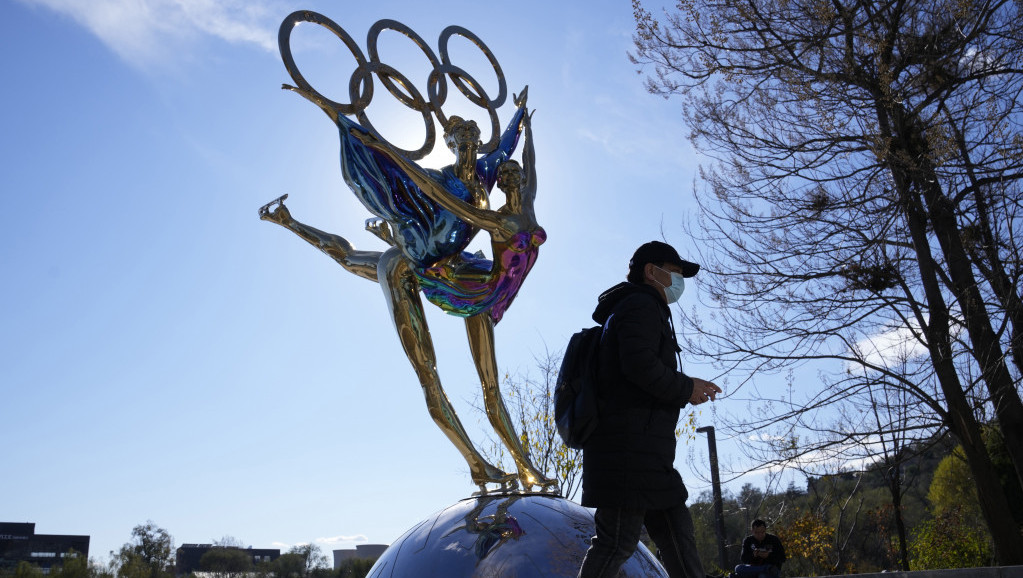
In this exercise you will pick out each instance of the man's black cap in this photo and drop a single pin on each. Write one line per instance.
(657, 252)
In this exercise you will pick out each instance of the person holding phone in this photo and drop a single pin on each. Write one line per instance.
(762, 554)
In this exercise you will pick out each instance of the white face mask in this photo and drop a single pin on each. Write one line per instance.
(674, 291)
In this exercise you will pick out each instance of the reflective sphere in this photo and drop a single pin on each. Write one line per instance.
(502, 535)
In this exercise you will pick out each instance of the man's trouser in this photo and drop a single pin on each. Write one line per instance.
(618, 531)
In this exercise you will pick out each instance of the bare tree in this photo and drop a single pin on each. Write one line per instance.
(864, 193)
(880, 430)
(530, 400)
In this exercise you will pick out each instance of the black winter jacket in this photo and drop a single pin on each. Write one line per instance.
(628, 461)
(771, 543)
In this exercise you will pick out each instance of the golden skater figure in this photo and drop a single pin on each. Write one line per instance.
(462, 284)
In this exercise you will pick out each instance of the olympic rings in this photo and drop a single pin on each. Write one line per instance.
(360, 86)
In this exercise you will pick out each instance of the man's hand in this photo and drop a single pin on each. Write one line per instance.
(703, 391)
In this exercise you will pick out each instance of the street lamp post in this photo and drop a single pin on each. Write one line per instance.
(715, 479)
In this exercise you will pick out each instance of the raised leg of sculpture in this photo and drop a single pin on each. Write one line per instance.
(361, 263)
(480, 330)
(402, 291)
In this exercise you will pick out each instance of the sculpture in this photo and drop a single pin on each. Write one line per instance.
(428, 217)
(510, 536)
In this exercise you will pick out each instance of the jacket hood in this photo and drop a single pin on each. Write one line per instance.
(610, 298)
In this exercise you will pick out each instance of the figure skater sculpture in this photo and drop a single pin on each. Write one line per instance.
(428, 217)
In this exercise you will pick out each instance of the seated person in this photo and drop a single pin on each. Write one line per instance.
(762, 554)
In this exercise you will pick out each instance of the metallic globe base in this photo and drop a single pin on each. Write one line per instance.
(502, 535)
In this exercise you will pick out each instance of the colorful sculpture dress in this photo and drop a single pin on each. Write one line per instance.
(471, 285)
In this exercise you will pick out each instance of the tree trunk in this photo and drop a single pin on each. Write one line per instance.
(1004, 532)
(984, 254)
(986, 348)
(895, 486)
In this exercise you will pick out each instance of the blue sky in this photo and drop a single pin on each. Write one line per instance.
(166, 355)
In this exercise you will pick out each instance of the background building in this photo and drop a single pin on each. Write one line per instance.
(20, 543)
(360, 551)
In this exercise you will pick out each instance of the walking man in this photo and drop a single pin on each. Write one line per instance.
(628, 472)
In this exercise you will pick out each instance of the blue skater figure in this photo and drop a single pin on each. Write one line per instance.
(423, 230)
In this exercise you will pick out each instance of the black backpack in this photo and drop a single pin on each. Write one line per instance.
(575, 394)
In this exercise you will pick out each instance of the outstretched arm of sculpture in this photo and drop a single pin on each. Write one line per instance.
(315, 99)
(528, 162)
(487, 165)
(362, 263)
(362, 170)
(479, 218)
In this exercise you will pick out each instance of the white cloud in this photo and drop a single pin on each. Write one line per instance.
(144, 31)
(853, 455)
(339, 539)
(892, 346)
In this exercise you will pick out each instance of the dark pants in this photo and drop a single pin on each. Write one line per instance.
(617, 538)
(761, 571)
